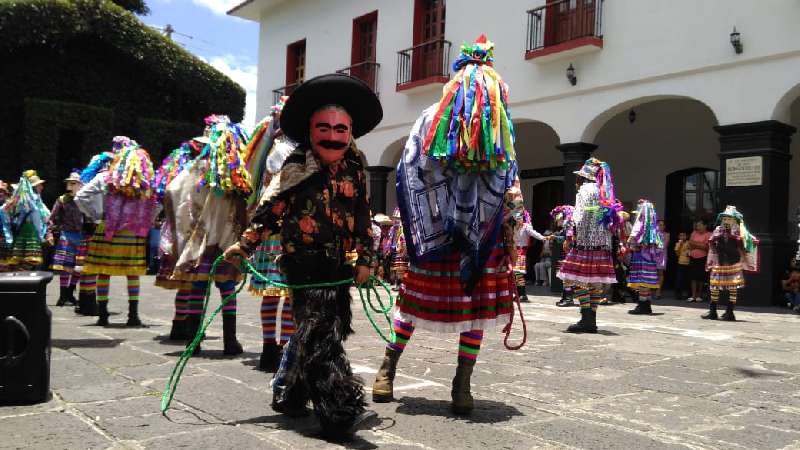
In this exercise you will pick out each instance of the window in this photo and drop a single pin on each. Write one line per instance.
(295, 65)
(700, 194)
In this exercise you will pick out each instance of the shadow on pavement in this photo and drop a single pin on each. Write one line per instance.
(486, 411)
(305, 426)
(66, 344)
(215, 355)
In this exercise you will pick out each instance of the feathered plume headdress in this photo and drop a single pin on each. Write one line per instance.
(471, 130)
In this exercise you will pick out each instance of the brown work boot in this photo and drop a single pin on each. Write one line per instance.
(383, 387)
(460, 393)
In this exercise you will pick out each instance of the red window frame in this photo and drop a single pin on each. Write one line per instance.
(295, 61)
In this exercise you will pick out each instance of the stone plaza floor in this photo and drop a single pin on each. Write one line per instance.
(670, 380)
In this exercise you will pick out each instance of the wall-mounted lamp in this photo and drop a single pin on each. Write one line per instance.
(573, 80)
(736, 41)
(632, 116)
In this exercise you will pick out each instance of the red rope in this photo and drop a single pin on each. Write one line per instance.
(507, 328)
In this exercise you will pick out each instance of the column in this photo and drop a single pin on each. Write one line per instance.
(754, 176)
(378, 176)
(574, 155)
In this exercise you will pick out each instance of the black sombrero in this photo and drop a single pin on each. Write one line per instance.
(348, 92)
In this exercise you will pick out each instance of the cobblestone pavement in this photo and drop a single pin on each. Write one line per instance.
(665, 381)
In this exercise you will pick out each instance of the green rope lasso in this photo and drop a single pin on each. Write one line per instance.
(369, 286)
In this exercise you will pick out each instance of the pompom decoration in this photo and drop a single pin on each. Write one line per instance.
(171, 166)
(131, 173)
(471, 130)
(226, 171)
(97, 164)
(645, 230)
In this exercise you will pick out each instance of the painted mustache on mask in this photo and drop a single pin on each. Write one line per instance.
(332, 145)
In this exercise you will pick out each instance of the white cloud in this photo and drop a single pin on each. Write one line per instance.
(218, 6)
(246, 75)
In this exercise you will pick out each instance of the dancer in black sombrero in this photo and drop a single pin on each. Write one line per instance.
(318, 204)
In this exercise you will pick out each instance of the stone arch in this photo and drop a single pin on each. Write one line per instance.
(783, 108)
(600, 120)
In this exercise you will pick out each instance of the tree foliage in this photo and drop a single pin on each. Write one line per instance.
(135, 6)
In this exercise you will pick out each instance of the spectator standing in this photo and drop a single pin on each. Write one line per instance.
(682, 275)
(698, 252)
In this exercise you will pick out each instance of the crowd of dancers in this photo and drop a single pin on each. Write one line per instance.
(291, 197)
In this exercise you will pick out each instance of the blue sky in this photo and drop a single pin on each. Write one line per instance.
(228, 43)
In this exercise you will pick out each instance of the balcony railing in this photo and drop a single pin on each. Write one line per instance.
(427, 61)
(563, 21)
(283, 90)
(366, 71)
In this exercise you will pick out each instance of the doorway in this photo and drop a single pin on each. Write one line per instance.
(545, 196)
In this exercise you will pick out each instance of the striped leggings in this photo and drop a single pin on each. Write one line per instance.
(70, 280)
(103, 282)
(272, 308)
(469, 342)
(193, 298)
(588, 295)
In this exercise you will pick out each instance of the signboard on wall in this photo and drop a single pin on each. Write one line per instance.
(747, 171)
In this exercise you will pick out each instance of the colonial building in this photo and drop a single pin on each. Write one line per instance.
(694, 104)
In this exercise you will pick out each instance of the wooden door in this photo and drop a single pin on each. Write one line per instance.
(429, 21)
(569, 19)
(365, 35)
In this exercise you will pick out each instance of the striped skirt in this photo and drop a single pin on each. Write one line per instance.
(70, 252)
(265, 262)
(400, 264)
(26, 251)
(432, 296)
(643, 272)
(588, 266)
(727, 278)
(522, 260)
(123, 254)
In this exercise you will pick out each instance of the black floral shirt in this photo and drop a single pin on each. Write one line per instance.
(327, 211)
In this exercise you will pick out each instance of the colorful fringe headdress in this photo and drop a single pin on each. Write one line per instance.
(744, 233)
(261, 141)
(226, 172)
(471, 130)
(131, 173)
(562, 212)
(171, 166)
(600, 172)
(645, 229)
(28, 206)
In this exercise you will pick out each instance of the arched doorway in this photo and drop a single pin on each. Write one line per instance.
(545, 196)
(665, 150)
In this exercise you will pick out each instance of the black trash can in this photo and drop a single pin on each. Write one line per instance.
(25, 325)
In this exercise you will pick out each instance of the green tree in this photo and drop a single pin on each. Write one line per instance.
(134, 6)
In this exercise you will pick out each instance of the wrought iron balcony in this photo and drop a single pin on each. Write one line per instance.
(366, 71)
(283, 90)
(564, 25)
(424, 63)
